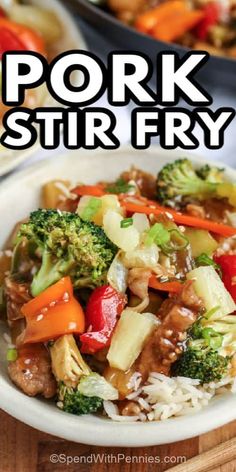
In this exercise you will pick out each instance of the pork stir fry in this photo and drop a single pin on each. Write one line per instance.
(120, 296)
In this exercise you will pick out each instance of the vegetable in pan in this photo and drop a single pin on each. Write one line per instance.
(205, 25)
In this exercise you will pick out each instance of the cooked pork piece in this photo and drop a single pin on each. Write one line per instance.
(165, 345)
(32, 373)
(146, 182)
(17, 294)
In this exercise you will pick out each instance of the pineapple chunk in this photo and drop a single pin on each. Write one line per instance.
(210, 288)
(108, 202)
(53, 191)
(131, 333)
(67, 363)
(126, 239)
(200, 241)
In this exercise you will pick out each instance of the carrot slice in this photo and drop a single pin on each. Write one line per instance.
(90, 190)
(150, 207)
(180, 218)
(145, 22)
(173, 287)
(176, 25)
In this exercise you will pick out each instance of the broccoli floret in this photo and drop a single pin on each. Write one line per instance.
(211, 173)
(211, 343)
(178, 180)
(72, 401)
(205, 365)
(67, 246)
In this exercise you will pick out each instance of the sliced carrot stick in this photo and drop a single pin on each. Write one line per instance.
(180, 218)
(173, 287)
(150, 207)
(145, 22)
(90, 190)
(177, 24)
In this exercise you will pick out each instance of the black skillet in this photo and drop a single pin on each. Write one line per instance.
(219, 71)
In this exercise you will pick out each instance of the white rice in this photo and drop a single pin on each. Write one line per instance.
(164, 397)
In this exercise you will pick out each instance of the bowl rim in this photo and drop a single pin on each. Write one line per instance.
(90, 429)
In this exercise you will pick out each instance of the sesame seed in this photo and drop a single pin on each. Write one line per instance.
(72, 325)
(44, 310)
(65, 296)
(169, 215)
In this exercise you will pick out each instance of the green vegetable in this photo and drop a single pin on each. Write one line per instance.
(120, 186)
(67, 246)
(157, 234)
(72, 401)
(200, 241)
(211, 173)
(205, 260)
(12, 355)
(96, 385)
(213, 339)
(168, 240)
(179, 179)
(210, 345)
(178, 242)
(126, 222)
(91, 209)
(205, 365)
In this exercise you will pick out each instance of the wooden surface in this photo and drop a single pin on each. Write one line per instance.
(23, 449)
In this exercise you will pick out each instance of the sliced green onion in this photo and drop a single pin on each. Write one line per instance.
(120, 186)
(11, 355)
(205, 260)
(157, 234)
(211, 312)
(91, 209)
(177, 242)
(126, 222)
(213, 339)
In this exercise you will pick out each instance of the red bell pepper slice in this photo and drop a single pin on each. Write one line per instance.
(20, 37)
(211, 17)
(227, 262)
(9, 41)
(103, 309)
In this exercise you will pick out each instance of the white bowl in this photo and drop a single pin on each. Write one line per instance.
(19, 195)
(71, 38)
